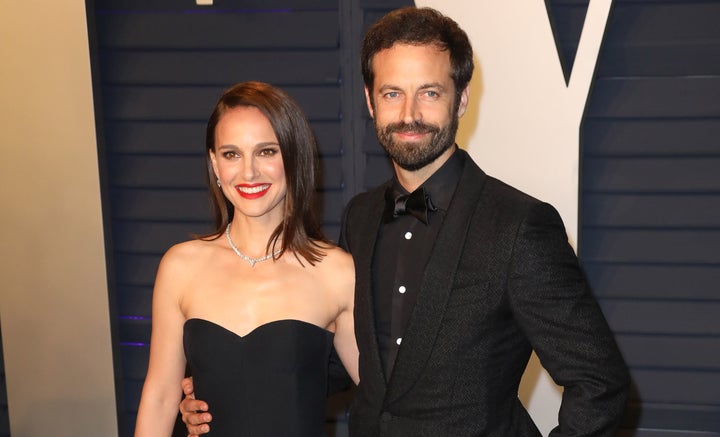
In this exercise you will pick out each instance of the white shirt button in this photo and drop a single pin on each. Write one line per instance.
(398, 341)
(408, 235)
(402, 289)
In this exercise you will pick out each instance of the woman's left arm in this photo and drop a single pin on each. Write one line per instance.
(345, 343)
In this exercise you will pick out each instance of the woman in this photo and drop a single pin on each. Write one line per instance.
(258, 304)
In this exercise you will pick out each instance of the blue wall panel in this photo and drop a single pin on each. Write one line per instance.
(650, 208)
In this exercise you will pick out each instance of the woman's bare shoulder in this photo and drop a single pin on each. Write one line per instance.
(335, 257)
(338, 271)
(189, 253)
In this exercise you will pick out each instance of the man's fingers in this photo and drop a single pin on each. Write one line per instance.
(191, 406)
(187, 387)
(195, 431)
(195, 420)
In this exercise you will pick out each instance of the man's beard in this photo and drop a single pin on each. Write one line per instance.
(413, 156)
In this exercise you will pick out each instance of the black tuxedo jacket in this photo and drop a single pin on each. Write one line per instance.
(501, 281)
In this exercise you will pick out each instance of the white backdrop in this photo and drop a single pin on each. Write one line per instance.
(523, 123)
(53, 297)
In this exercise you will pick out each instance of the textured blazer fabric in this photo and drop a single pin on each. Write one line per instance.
(502, 280)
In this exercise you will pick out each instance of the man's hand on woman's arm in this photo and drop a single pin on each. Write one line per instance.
(194, 412)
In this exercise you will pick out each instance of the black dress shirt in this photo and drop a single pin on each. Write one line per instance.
(401, 253)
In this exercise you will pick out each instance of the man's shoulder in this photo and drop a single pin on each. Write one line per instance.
(514, 205)
(367, 198)
(494, 189)
(507, 192)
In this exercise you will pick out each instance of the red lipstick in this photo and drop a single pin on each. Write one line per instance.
(252, 191)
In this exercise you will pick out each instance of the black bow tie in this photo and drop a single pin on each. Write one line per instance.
(417, 203)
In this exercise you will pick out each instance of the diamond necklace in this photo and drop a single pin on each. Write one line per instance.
(250, 260)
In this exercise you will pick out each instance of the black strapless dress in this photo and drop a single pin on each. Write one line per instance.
(271, 382)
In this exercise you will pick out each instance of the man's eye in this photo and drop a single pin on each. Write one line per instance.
(392, 94)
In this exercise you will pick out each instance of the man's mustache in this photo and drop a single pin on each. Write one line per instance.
(415, 127)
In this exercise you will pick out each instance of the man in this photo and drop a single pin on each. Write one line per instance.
(458, 283)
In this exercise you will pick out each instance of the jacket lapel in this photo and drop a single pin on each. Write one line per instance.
(425, 321)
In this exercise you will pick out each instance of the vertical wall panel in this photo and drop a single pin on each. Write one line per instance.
(650, 207)
(54, 297)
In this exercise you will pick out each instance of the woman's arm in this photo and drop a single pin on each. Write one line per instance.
(161, 391)
(345, 343)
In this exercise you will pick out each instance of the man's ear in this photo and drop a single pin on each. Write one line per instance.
(368, 101)
(464, 96)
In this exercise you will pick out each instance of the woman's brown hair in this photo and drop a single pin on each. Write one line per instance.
(299, 231)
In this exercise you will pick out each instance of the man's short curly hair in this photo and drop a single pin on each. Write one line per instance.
(419, 26)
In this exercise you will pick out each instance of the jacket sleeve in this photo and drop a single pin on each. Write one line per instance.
(554, 306)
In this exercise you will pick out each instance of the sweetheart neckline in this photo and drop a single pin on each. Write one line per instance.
(259, 327)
